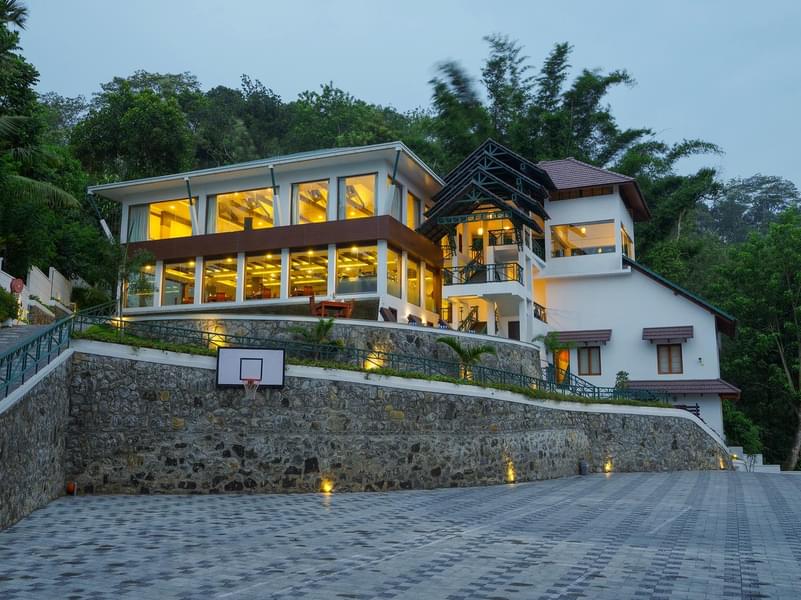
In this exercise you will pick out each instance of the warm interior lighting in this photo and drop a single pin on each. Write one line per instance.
(480, 231)
(326, 485)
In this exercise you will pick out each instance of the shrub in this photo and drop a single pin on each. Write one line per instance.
(88, 297)
(9, 307)
(740, 430)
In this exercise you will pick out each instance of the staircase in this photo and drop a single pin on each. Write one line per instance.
(751, 463)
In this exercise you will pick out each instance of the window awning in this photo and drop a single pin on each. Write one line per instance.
(664, 334)
(677, 387)
(585, 336)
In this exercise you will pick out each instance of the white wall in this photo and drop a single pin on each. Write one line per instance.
(626, 304)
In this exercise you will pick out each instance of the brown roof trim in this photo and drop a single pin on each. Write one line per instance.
(308, 235)
(585, 335)
(688, 386)
(723, 321)
(658, 334)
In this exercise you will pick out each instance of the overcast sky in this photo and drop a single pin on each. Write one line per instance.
(723, 70)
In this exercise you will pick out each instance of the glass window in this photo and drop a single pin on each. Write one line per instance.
(396, 202)
(178, 283)
(140, 287)
(239, 211)
(356, 197)
(413, 211)
(310, 202)
(430, 289)
(357, 269)
(669, 359)
(561, 362)
(219, 279)
(394, 270)
(589, 360)
(308, 272)
(263, 276)
(628, 245)
(413, 281)
(579, 239)
(167, 220)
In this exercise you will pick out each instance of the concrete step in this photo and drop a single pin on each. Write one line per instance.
(767, 469)
(737, 451)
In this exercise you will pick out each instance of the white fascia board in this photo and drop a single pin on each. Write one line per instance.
(264, 164)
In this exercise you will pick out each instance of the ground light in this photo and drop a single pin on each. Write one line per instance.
(608, 465)
(326, 485)
(510, 472)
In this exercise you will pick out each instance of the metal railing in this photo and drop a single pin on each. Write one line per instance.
(540, 312)
(502, 237)
(366, 359)
(23, 360)
(479, 273)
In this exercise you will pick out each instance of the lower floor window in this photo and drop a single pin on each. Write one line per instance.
(589, 360)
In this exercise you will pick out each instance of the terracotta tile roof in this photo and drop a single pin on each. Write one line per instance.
(687, 386)
(652, 334)
(585, 335)
(569, 173)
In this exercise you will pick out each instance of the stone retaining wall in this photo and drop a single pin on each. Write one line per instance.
(145, 427)
(418, 341)
(32, 447)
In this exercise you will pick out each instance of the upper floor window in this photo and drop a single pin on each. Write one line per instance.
(628, 245)
(239, 211)
(159, 221)
(414, 211)
(357, 196)
(396, 199)
(589, 360)
(310, 202)
(669, 359)
(583, 192)
(579, 239)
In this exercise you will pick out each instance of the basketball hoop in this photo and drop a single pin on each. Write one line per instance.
(251, 387)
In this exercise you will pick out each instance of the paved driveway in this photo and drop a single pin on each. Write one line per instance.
(674, 535)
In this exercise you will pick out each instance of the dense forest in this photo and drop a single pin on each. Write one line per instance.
(737, 242)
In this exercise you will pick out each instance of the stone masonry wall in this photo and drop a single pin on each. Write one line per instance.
(32, 436)
(138, 427)
(420, 341)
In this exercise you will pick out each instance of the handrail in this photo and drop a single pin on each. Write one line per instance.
(363, 358)
(481, 273)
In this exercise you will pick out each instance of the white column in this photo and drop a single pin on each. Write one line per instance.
(157, 283)
(383, 192)
(279, 217)
(240, 277)
(124, 222)
(522, 315)
(198, 279)
(332, 269)
(332, 201)
(381, 271)
(492, 327)
(284, 273)
(200, 210)
(404, 282)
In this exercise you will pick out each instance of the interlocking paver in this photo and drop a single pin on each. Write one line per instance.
(693, 535)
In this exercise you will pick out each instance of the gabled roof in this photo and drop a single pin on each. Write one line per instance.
(687, 386)
(492, 177)
(571, 174)
(723, 320)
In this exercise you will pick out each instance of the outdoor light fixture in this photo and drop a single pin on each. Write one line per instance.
(608, 465)
(510, 472)
(326, 485)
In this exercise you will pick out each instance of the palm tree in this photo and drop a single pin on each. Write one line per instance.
(468, 356)
(319, 335)
(13, 12)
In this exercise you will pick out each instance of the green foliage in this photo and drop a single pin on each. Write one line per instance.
(88, 297)
(621, 380)
(9, 307)
(112, 335)
(551, 342)
(740, 430)
(319, 334)
(469, 356)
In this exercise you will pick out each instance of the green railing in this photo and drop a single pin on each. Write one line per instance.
(365, 359)
(22, 361)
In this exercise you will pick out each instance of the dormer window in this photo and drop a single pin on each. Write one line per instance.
(583, 239)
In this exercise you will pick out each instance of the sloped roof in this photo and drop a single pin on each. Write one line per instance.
(723, 320)
(585, 335)
(687, 386)
(680, 332)
(571, 174)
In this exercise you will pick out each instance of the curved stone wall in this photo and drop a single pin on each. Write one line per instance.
(385, 337)
(151, 427)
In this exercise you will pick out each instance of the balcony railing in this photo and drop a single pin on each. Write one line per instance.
(502, 237)
(540, 313)
(478, 273)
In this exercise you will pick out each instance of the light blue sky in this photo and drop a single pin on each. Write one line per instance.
(723, 70)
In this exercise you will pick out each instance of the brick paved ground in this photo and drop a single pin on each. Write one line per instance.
(673, 535)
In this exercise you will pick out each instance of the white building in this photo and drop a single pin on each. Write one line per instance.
(500, 245)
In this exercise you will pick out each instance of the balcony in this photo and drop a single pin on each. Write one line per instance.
(480, 273)
(540, 313)
(502, 237)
